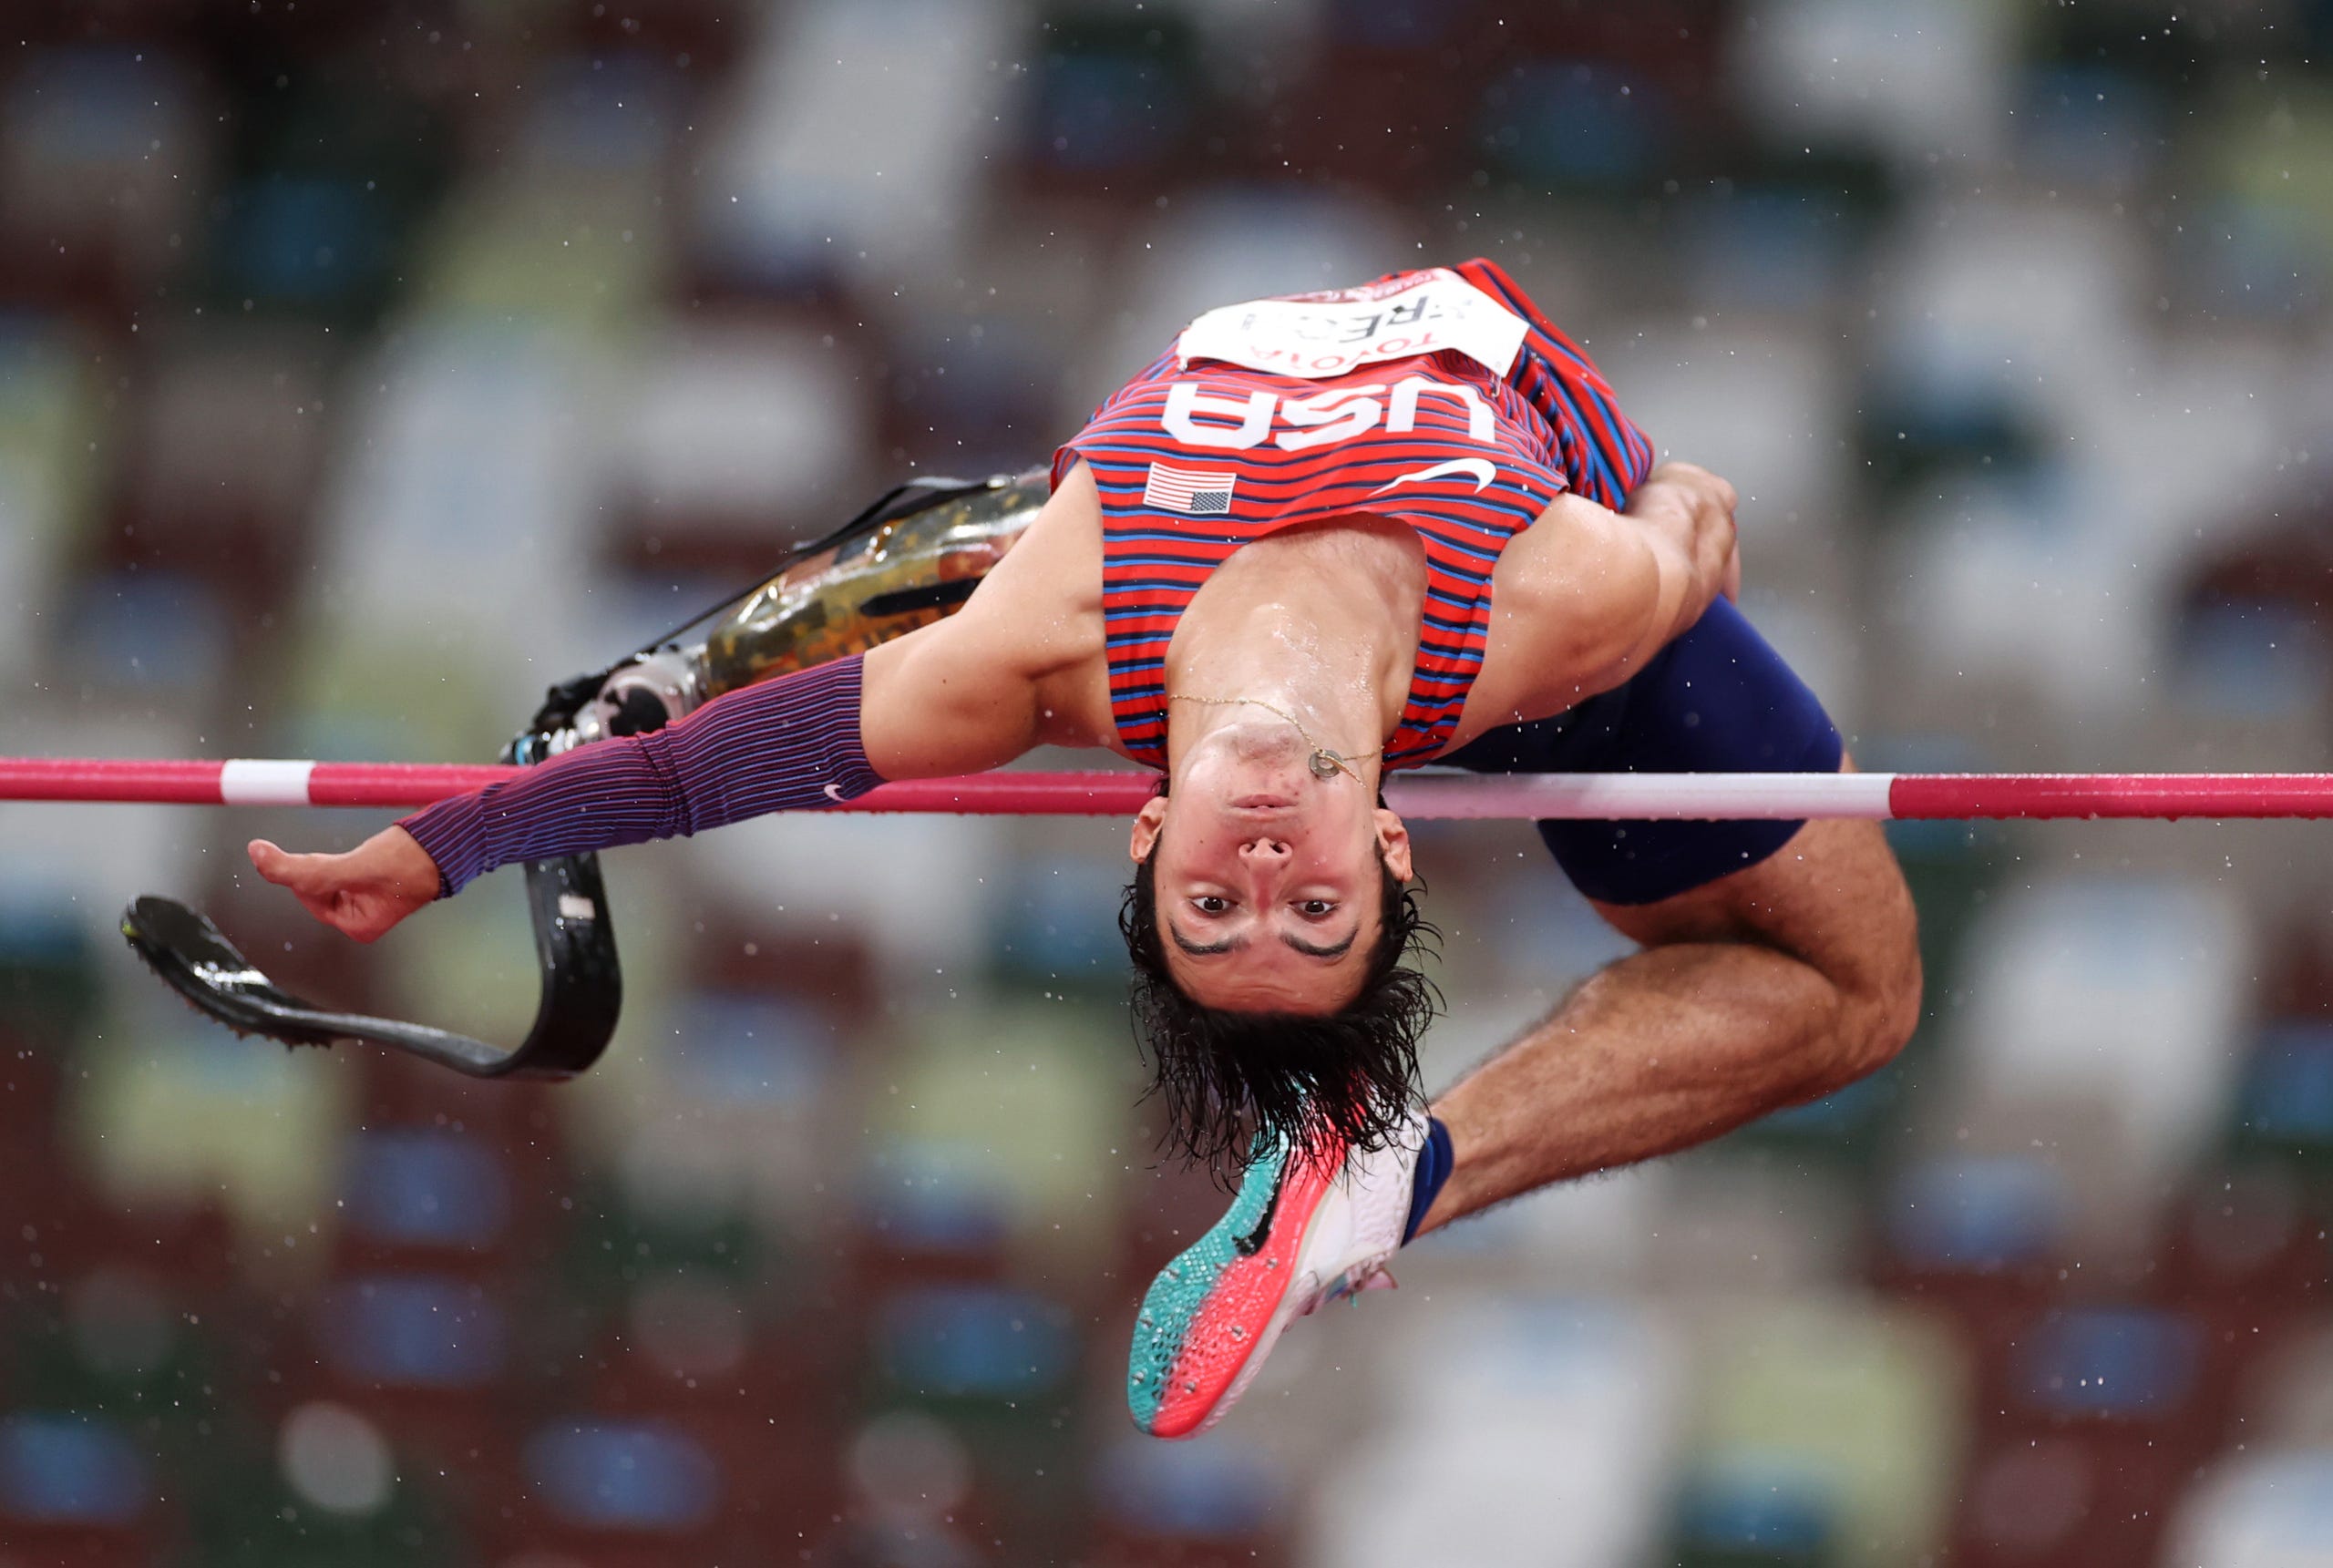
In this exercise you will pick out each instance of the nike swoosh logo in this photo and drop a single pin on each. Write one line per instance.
(833, 793)
(1479, 469)
(1252, 1244)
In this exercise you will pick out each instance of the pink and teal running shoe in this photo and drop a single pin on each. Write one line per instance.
(1300, 1232)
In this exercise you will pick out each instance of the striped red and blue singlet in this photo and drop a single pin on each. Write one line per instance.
(1465, 456)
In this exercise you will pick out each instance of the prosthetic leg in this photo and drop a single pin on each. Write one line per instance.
(907, 560)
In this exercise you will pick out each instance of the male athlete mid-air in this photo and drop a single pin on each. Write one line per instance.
(1320, 538)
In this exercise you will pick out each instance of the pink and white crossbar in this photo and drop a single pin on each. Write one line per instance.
(1589, 797)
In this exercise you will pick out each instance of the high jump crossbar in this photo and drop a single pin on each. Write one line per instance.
(1874, 796)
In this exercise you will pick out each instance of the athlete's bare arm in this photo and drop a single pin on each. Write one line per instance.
(1776, 985)
(1021, 665)
(1582, 598)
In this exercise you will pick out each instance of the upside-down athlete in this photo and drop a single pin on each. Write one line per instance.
(1320, 538)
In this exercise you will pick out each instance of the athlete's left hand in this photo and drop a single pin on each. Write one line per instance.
(1699, 507)
(361, 894)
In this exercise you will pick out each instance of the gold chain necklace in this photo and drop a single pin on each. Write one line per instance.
(1324, 762)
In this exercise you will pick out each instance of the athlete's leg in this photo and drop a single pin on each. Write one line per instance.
(1770, 986)
(1779, 960)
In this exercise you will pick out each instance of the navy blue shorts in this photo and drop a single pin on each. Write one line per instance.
(1717, 699)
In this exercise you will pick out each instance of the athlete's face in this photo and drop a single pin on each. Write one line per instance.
(1268, 882)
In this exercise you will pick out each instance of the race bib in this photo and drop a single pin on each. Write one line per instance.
(1324, 334)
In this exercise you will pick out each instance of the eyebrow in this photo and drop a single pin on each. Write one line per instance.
(1205, 949)
(1334, 950)
(1233, 944)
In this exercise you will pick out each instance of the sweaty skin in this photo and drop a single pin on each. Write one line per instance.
(1261, 860)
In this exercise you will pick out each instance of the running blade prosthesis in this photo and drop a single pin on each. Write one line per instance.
(582, 995)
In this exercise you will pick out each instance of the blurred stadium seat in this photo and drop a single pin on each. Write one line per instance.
(1829, 1425)
(1529, 1430)
(2123, 991)
(2259, 1510)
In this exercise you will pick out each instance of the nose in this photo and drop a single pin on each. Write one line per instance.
(1264, 848)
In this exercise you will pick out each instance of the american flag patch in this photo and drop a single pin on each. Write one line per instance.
(1186, 490)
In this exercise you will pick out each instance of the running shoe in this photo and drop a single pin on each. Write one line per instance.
(1300, 1232)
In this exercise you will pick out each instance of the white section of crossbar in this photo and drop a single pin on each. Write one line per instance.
(1785, 798)
(248, 781)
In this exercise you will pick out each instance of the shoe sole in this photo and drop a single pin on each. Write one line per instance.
(1212, 1316)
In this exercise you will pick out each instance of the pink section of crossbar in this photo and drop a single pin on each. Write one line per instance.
(1605, 796)
(1966, 796)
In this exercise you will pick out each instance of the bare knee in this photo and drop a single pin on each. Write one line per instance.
(1834, 900)
(1848, 915)
(1879, 982)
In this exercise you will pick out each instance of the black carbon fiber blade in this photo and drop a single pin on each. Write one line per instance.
(582, 996)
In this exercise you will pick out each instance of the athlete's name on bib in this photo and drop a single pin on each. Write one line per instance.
(1325, 334)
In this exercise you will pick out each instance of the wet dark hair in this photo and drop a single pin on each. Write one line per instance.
(1325, 1079)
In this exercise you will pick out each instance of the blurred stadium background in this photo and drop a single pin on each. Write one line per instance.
(365, 367)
